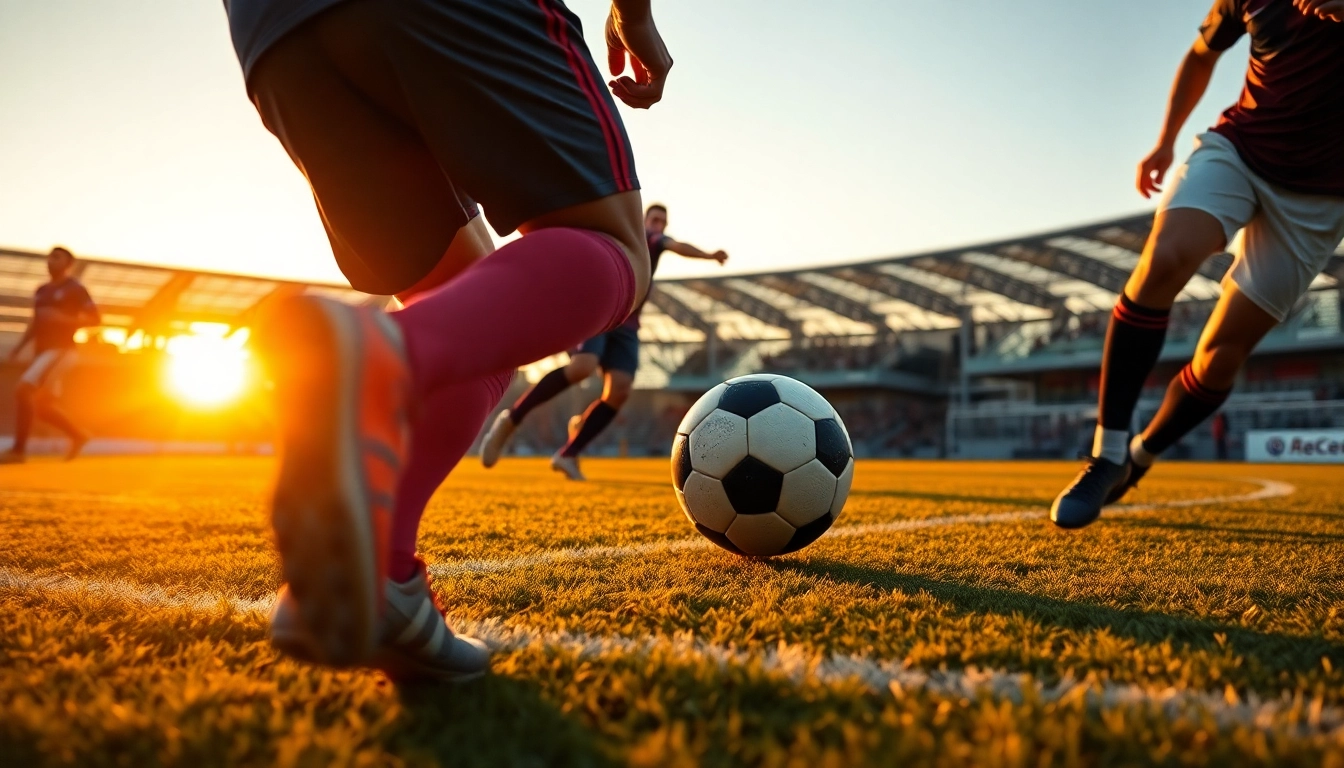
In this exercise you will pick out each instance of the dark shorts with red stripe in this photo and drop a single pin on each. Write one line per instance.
(404, 114)
(616, 350)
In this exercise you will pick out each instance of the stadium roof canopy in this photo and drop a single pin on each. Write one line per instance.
(1071, 271)
(157, 300)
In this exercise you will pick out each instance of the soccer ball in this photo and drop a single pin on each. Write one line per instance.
(762, 465)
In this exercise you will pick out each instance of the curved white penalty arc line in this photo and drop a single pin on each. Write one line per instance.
(798, 664)
(1269, 489)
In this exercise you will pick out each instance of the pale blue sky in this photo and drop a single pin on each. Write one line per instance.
(792, 133)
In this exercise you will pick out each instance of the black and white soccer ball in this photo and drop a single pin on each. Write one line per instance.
(762, 465)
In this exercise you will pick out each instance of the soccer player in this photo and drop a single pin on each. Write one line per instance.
(402, 114)
(60, 308)
(1271, 169)
(616, 352)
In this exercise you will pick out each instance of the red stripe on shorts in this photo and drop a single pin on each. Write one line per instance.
(557, 30)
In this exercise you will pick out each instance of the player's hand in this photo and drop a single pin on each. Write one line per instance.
(719, 256)
(1153, 169)
(1323, 9)
(634, 35)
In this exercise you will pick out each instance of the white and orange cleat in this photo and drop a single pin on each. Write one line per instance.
(343, 388)
(414, 641)
(498, 437)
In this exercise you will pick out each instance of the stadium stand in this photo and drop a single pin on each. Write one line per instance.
(987, 351)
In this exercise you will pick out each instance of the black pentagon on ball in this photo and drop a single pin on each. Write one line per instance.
(832, 447)
(748, 398)
(808, 533)
(753, 487)
(681, 461)
(718, 538)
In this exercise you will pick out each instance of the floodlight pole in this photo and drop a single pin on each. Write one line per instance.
(966, 331)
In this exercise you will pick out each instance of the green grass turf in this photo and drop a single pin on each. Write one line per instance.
(1239, 600)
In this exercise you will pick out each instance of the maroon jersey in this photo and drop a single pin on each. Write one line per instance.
(1288, 125)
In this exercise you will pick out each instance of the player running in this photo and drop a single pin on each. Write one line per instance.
(1273, 169)
(402, 114)
(60, 308)
(616, 352)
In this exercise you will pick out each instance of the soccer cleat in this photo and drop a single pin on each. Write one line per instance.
(414, 641)
(575, 423)
(1136, 473)
(1080, 503)
(13, 457)
(342, 389)
(567, 465)
(497, 438)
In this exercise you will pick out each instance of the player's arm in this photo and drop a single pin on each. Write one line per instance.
(1192, 79)
(1332, 10)
(88, 315)
(631, 32)
(691, 252)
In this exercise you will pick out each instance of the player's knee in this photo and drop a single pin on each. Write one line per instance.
(25, 392)
(580, 368)
(617, 394)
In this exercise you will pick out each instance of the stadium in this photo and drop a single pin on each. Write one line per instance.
(990, 351)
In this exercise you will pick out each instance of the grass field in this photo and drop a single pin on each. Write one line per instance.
(944, 621)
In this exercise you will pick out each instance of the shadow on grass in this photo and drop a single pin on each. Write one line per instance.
(1274, 652)
(1257, 535)
(954, 497)
(496, 721)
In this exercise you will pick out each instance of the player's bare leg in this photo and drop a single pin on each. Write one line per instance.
(1182, 238)
(584, 429)
(581, 365)
(46, 408)
(1234, 329)
(24, 413)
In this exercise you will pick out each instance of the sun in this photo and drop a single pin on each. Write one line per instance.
(209, 366)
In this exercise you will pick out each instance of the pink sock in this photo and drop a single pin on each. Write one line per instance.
(446, 423)
(536, 296)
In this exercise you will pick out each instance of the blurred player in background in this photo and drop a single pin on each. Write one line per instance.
(1272, 169)
(616, 352)
(402, 114)
(60, 308)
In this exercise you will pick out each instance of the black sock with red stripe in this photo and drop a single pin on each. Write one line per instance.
(1133, 342)
(599, 415)
(1187, 404)
(548, 387)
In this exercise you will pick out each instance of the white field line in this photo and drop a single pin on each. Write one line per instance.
(799, 665)
(1269, 489)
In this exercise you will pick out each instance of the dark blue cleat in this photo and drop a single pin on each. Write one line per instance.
(1136, 473)
(1081, 503)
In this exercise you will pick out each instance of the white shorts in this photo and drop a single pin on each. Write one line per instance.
(45, 367)
(1286, 238)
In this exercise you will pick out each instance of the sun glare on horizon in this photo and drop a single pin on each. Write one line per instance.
(209, 366)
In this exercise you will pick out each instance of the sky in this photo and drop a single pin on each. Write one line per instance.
(791, 133)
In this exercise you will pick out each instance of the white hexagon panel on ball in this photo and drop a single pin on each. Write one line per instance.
(807, 493)
(782, 437)
(707, 502)
(760, 535)
(718, 443)
(702, 408)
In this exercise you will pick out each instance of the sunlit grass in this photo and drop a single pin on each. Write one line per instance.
(1243, 599)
